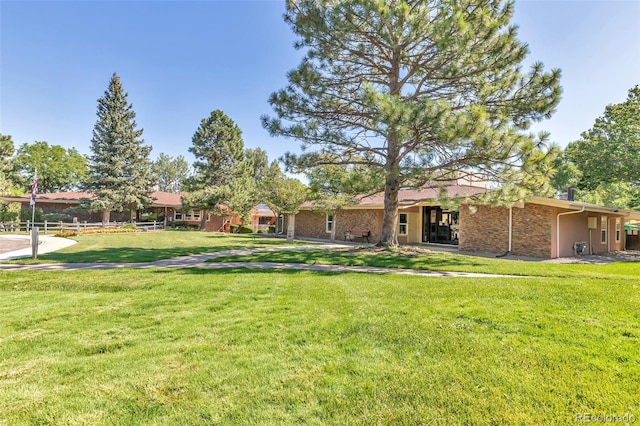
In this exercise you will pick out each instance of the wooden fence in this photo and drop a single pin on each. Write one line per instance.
(54, 227)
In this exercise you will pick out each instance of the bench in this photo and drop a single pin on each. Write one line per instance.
(357, 233)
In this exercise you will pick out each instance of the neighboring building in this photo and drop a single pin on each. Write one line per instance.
(541, 227)
(166, 208)
(73, 204)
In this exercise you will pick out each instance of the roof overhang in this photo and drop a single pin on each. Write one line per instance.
(590, 208)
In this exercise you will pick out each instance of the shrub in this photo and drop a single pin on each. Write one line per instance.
(65, 234)
(56, 217)
(25, 215)
(179, 224)
(246, 230)
(72, 233)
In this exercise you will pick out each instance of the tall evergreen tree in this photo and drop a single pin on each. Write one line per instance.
(219, 150)
(419, 89)
(120, 167)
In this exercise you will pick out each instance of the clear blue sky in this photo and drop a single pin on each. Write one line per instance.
(180, 60)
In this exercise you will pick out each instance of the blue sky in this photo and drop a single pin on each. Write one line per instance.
(180, 60)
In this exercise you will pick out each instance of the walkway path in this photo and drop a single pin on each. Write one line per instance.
(200, 261)
(14, 246)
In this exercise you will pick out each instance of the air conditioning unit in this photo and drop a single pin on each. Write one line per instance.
(592, 222)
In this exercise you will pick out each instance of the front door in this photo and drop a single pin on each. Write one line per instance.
(439, 226)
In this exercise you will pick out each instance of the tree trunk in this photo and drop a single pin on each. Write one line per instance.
(291, 227)
(389, 236)
(333, 225)
(275, 225)
(203, 219)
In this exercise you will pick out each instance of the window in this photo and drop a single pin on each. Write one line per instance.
(178, 215)
(618, 230)
(280, 226)
(196, 214)
(603, 229)
(329, 222)
(265, 220)
(404, 224)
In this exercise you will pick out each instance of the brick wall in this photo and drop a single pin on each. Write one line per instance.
(313, 224)
(487, 230)
(61, 208)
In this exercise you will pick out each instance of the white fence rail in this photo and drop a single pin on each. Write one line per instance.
(54, 227)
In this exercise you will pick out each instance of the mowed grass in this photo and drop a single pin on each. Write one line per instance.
(150, 246)
(195, 346)
(440, 261)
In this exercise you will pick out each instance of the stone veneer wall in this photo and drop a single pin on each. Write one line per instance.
(487, 230)
(313, 224)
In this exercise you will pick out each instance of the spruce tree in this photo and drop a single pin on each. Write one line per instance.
(120, 167)
(219, 151)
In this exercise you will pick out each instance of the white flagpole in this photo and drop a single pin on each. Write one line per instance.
(34, 184)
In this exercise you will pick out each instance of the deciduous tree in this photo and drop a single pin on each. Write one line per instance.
(170, 173)
(120, 167)
(333, 187)
(7, 171)
(608, 153)
(244, 192)
(59, 168)
(282, 194)
(421, 90)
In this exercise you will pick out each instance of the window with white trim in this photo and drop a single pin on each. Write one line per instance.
(603, 229)
(403, 224)
(196, 214)
(329, 223)
(618, 230)
(178, 215)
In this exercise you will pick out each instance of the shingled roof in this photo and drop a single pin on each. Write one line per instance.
(162, 199)
(409, 197)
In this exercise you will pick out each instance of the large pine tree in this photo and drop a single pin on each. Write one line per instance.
(417, 89)
(120, 167)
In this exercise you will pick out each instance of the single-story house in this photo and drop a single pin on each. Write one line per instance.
(69, 203)
(541, 227)
(167, 208)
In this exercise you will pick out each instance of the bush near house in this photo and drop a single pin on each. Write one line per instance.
(244, 229)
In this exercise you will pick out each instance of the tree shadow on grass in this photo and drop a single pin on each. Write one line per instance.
(135, 254)
(352, 258)
(243, 270)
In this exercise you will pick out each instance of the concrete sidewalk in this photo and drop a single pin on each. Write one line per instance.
(200, 261)
(48, 244)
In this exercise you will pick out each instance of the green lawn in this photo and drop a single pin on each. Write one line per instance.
(272, 347)
(441, 261)
(150, 246)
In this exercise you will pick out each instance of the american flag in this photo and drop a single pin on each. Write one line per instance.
(34, 190)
